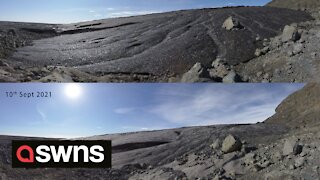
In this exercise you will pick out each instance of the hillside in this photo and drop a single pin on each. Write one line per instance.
(156, 47)
(295, 4)
(299, 110)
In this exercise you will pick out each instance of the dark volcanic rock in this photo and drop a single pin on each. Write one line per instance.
(158, 44)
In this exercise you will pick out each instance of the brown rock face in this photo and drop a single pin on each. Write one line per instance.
(295, 4)
(299, 110)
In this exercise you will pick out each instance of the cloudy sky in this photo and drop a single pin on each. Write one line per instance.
(66, 11)
(95, 109)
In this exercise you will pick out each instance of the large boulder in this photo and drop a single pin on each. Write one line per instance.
(196, 74)
(232, 23)
(232, 77)
(291, 146)
(231, 144)
(290, 33)
(219, 69)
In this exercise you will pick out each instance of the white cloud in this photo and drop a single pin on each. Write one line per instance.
(124, 110)
(194, 105)
(129, 13)
(219, 106)
(231, 4)
(42, 114)
(136, 128)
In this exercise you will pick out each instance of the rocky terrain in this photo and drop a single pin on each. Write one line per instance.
(292, 56)
(285, 146)
(205, 45)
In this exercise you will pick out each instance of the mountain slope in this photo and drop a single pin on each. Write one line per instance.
(299, 110)
(295, 4)
(158, 44)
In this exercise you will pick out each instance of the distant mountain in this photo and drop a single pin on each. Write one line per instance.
(295, 4)
(299, 110)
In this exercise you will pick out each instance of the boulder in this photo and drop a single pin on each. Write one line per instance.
(232, 77)
(291, 147)
(258, 52)
(265, 50)
(219, 69)
(231, 23)
(250, 158)
(297, 48)
(290, 33)
(196, 74)
(231, 144)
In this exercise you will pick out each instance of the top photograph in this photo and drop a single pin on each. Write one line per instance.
(180, 41)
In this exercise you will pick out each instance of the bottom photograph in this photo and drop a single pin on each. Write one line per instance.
(159, 131)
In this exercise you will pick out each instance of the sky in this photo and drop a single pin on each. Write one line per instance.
(81, 110)
(71, 11)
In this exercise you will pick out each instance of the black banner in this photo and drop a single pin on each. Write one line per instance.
(61, 154)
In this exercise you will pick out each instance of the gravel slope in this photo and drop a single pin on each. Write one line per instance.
(158, 45)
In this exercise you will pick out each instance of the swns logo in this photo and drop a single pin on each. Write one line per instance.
(61, 154)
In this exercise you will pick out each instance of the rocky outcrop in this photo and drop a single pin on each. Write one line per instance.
(290, 33)
(292, 146)
(292, 56)
(196, 74)
(231, 77)
(231, 144)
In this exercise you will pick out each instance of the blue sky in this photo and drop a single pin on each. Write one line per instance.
(114, 108)
(66, 11)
